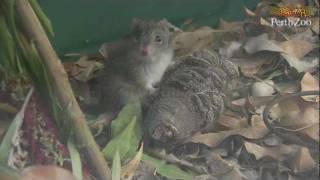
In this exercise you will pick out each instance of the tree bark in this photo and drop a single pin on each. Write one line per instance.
(62, 88)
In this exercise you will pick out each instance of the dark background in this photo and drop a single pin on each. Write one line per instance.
(83, 25)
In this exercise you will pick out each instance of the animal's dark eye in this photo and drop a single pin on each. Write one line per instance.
(158, 39)
(136, 38)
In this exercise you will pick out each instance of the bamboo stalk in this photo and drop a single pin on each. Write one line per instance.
(63, 89)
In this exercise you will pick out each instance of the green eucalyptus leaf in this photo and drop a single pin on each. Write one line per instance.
(126, 132)
(168, 170)
(126, 142)
(125, 116)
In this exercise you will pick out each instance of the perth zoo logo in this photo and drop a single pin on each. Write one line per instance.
(292, 16)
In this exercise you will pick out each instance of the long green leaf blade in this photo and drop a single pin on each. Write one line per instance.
(11, 134)
(116, 166)
(45, 21)
(167, 170)
(75, 160)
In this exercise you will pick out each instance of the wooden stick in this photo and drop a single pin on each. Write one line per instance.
(62, 88)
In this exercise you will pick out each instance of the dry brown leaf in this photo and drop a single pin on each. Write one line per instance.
(309, 83)
(305, 64)
(306, 35)
(261, 43)
(249, 12)
(185, 43)
(217, 165)
(235, 174)
(302, 161)
(222, 169)
(256, 131)
(233, 26)
(228, 122)
(230, 49)
(83, 70)
(312, 132)
(298, 116)
(48, 172)
(288, 86)
(281, 152)
(315, 27)
(128, 170)
(297, 48)
(255, 64)
(291, 177)
(264, 88)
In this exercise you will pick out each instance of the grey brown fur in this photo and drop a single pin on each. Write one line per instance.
(134, 64)
(190, 97)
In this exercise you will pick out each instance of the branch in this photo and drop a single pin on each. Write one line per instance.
(63, 89)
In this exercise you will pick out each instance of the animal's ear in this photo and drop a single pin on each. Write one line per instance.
(136, 23)
(104, 50)
(163, 24)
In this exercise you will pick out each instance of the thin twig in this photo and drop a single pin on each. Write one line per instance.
(288, 135)
(174, 160)
(296, 130)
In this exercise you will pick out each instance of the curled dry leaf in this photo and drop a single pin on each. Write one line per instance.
(261, 43)
(298, 116)
(288, 86)
(256, 63)
(302, 161)
(281, 152)
(235, 174)
(48, 172)
(230, 49)
(84, 69)
(309, 83)
(185, 43)
(296, 47)
(305, 64)
(234, 26)
(205, 177)
(217, 165)
(228, 122)
(264, 88)
(223, 169)
(315, 27)
(129, 169)
(256, 131)
(292, 50)
(291, 177)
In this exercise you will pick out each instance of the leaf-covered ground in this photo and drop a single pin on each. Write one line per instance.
(268, 130)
